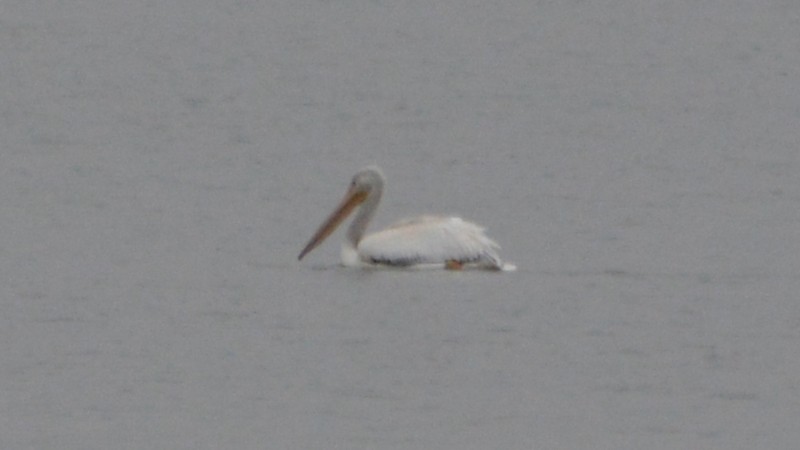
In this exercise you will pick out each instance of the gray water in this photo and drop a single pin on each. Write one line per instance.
(163, 163)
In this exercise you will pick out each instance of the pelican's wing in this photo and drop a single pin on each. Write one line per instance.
(430, 240)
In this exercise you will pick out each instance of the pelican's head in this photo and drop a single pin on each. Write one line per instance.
(368, 181)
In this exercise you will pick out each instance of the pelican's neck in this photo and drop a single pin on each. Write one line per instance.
(365, 212)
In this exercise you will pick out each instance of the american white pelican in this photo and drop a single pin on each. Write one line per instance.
(427, 241)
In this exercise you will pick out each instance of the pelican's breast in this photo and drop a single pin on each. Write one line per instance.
(349, 256)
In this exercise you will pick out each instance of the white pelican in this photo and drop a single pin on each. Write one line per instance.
(426, 241)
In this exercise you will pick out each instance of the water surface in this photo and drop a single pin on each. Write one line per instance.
(163, 164)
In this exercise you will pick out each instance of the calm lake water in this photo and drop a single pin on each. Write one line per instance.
(164, 163)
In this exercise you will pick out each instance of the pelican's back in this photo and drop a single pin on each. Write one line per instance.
(431, 240)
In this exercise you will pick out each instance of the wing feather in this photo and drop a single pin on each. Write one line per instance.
(429, 240)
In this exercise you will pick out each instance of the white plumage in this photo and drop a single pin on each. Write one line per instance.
(430, 239)
(425, 241)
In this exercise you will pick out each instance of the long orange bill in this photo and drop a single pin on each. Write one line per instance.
(350, 201)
